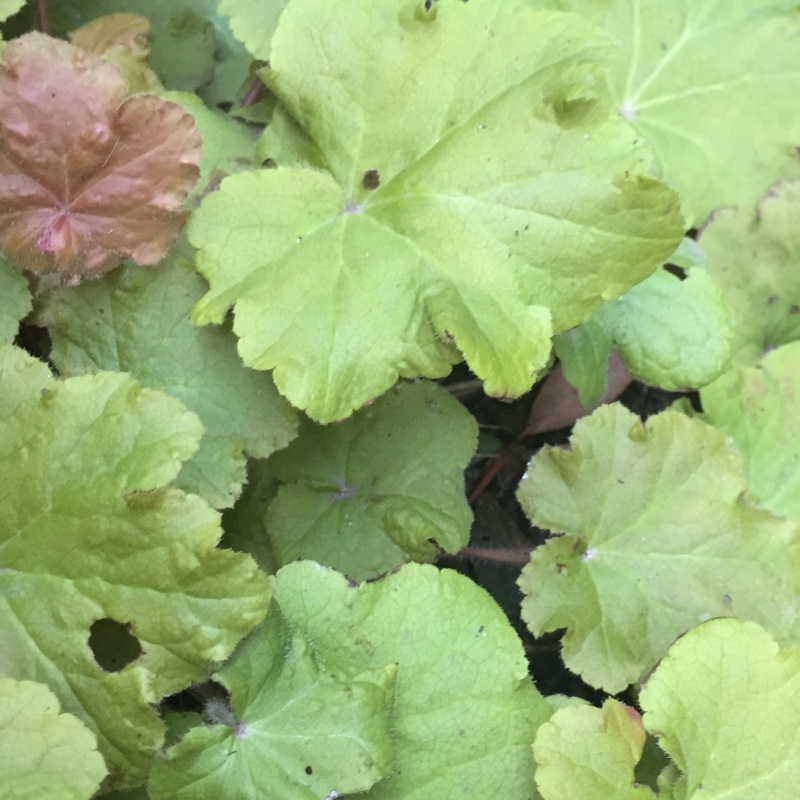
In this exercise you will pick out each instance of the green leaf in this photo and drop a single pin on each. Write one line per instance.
(652, 766)
(140, 793)
(44, 753)
(756, 264)
(16, 300)
(657, 537)
(590, 753)
(97, 549)
(583, 353)
(465, 712)
(344, 281)
(759, 407)
(374, 491)
(688, 254)
(9, 7)
(671, 333)
(244, 523)
(684, 69)
(183, 48)
(286, 144)
(298, 727)
(724, 703)
(192, 46)
(137, 321)
(253, 23)
(228, 145)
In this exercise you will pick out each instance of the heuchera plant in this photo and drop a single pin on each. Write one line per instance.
(242, 247)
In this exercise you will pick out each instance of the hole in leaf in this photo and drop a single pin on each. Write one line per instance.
(678, 272)
(36, 342)
(309, 770)
(371, 180)
(113, 645)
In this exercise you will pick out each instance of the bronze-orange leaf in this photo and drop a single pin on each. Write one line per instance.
(86, 177)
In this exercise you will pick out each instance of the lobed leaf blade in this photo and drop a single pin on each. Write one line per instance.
(93, 536)
(657, 536)
(344, 281)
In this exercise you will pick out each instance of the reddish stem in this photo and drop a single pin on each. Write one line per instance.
(44, 17)
(500, 461)
(518, 556)
(253, 93)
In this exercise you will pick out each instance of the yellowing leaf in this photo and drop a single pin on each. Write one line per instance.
(755, 260)
(713, 86)
(86, 178)
(475, 193)
(122, 40)
(97, 549)
(44, 753)
(759, 408)
(657, 537)
(725, 705)
(590, 753)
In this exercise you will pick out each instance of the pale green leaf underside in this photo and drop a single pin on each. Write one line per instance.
(465, 712)
(657, 538)
(298, 727)
(759, 407)
(137, 321)
(44, 753)
(671, 333)
(590, 753)
(15, 300)
(496, 204)
(756, 263)
(379, 488)
(724, 703)
(90, 531)
(685, 69)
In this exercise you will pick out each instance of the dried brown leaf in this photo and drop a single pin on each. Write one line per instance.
(558, 406)
(87, 177)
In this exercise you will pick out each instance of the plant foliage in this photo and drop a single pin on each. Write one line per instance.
(222, 448)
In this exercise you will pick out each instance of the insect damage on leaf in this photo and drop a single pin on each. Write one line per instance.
(86, 177)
